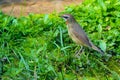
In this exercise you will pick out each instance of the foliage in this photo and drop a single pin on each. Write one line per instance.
(38, 46)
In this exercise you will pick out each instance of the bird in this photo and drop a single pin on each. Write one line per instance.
(77, 33)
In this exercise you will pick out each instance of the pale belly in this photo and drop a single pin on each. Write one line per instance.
(74, 38)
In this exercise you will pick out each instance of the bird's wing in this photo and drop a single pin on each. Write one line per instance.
(82, 37)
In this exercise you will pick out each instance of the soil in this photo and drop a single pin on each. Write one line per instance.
(22, 7)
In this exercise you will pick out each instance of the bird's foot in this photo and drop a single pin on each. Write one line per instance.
(77, 53)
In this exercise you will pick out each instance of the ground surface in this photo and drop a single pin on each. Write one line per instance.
(20, 7)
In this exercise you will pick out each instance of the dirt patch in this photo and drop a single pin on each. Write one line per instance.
(37, 6)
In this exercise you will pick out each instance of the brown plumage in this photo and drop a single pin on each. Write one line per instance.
(77, 34)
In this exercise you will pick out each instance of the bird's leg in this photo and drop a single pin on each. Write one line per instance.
(79, 51)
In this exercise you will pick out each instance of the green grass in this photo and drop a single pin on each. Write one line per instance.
(38, 46)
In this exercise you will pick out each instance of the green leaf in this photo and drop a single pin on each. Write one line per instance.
(103, 45)
(99, 28)
(102, 4)
(46, 18)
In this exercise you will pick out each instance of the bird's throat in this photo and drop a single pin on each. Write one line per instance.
(66, 22)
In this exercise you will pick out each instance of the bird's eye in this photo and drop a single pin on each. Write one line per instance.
(66, 17)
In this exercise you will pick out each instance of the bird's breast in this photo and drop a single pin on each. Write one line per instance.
(72, 35)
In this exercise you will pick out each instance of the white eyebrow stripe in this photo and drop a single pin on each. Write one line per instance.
(66, 15)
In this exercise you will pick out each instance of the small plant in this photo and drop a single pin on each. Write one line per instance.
(38, 46)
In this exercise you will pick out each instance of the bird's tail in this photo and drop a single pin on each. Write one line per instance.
(97, 49)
